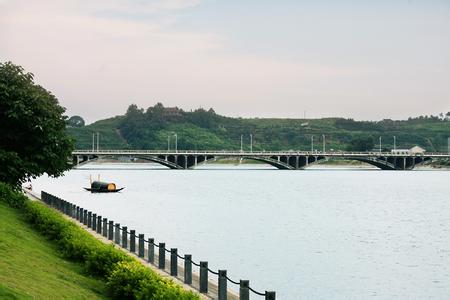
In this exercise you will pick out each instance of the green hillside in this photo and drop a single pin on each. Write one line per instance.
(204, 129)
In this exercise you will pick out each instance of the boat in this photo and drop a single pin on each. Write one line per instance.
(103, 187)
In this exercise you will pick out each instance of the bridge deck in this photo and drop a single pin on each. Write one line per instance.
(259, 153)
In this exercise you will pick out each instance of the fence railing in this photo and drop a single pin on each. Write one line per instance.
(129, 239)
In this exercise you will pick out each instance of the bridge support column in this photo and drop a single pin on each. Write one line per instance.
(296, 162)
(185, 162)
(195, 161)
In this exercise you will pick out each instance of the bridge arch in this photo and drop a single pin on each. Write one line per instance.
(166, 163)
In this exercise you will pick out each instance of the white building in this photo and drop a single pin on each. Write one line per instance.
(412, 151)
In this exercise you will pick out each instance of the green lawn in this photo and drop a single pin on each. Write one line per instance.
(32, 267)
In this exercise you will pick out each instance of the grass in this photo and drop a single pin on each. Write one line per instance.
(33, 267)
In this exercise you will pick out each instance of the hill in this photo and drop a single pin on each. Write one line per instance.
(204, 129)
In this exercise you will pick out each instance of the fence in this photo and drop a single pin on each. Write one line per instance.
(128, 239)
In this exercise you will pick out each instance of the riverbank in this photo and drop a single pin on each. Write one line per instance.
(122, 275)
(32, 267)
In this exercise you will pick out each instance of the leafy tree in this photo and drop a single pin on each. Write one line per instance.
(361, 144)
(75, 121)
(32, 131)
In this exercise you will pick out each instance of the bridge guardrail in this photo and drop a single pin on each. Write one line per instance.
(254, 153)
(128, 239)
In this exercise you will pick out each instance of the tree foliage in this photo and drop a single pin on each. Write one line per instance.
(32, 131)
(203, 129)
(361, 144)
(75, 121)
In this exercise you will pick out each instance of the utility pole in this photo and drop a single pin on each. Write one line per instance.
(380, 144)
(98, 138)
(323, 139)
(176, 142)
(93, 142)
(251, 142)
(312, 143)
(242, 142)
(168, 142)
(394, 143)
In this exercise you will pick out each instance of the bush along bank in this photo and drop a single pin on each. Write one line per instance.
(126, 277)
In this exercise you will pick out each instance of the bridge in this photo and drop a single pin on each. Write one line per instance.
(285, 160)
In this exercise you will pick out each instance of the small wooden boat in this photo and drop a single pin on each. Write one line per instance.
(103, 187)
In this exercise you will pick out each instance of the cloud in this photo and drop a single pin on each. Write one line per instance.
(97, 63)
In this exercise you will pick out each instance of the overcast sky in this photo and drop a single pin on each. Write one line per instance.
(358, 59)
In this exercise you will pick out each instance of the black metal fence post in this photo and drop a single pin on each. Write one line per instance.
(188, 269)
(124, 237)
(162, 256)
(133, 241)
(99, 224)
(81, 215)
(270, 295)
(105, 227)
(244, 292)
(117, 234)
(85, 217)
(89, 220)
(141, 249)
(110, 230)
(173, 262)
(203, 288)
(222, 284)
(151, 250)
(94, 222)
(78, 213)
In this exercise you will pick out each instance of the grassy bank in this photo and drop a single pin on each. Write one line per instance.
(123, 276)
(33, 267)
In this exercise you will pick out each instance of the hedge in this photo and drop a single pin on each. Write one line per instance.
(126, 277)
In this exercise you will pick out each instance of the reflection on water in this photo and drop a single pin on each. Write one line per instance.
(319, 233)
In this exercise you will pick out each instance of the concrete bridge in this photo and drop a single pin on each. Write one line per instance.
(285, 160)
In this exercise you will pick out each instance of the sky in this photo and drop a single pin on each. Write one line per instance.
(367, 60)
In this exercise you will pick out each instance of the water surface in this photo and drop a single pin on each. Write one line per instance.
(313, 234)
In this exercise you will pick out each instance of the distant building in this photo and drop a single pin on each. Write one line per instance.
(172, 112)
(413, 150)
(416, 150)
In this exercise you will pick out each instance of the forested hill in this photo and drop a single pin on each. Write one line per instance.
(204, 129)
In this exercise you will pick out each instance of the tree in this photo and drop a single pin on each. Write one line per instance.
(361, 144)
(75, 121)
(32, 131)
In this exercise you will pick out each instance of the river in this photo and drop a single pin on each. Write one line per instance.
(323, 233)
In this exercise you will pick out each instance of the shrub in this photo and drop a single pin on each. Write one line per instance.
(132, 280)
(11, 197)
(103, 259)
(126, 278)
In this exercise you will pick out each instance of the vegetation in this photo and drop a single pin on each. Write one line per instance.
(204, 129)
(361, 144)
(32, 132)
(75, 121)
(33, 268)
(97, 258)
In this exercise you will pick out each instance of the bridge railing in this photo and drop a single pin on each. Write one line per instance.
(254, 153)
(155, 253)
